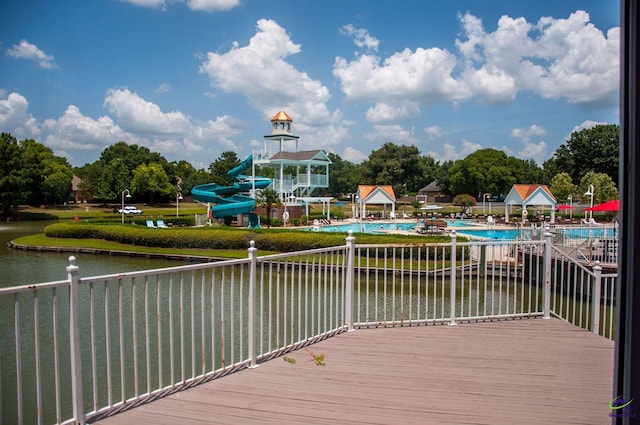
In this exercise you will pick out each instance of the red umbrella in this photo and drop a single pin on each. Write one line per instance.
(613, 205)
(564, 207)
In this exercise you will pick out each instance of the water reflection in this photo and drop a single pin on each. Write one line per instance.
(29, 267)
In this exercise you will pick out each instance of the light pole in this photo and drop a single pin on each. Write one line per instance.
(570, 199)
(353, 205)
(122, 209)
(486, 195)
(590, 193)
(178, 199)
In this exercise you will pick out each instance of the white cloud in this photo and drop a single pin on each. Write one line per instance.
(163, 88)
(385, 112)
(434, 132)
(535, 151)
(566, 59)
(531, 150)
(15, 117)
(555, 58)
(354, 155)
(73, 130)
(586, 124)
(151, 4)
(260, 72)
(28, 51)
(361, 37)
(423, 76)
(393, 133)
(79, 137)
(138, 115)
(525, 134)
(198, 5)
(452, 153)
(212, 5)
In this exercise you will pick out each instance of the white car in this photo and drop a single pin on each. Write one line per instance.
(130, 209)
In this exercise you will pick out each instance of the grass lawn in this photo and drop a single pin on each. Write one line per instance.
(42, 240)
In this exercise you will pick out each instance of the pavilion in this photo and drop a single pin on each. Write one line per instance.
(524, 195)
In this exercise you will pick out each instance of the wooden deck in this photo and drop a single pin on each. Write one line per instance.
(513, 372)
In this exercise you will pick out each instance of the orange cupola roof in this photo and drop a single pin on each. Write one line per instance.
(281, 116)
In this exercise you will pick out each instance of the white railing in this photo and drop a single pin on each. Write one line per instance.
(87, 348)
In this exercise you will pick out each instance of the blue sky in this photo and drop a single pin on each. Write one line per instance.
(194, 78)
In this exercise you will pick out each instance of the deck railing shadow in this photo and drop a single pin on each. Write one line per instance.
(85, 348)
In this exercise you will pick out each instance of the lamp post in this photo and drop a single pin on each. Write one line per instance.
(570, 199)
(484, 203)
(178, 199)
(590, 193)
(353, 205)
(122, 209)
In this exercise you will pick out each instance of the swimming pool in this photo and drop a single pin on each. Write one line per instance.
(461, 223)
(367, 227)
(380, 227)
(499, 234)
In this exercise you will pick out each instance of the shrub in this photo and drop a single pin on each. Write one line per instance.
(222, 237)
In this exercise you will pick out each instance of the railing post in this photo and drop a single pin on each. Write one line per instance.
(452, 283)
(548, 243)
(595, 297)
(349, 284)
(252, 304)
(74, 341)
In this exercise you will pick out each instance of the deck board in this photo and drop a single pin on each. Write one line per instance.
(521, 371)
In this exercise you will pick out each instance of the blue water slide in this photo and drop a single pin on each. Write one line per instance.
(227, 198)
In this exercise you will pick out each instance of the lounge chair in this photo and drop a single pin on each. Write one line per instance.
(161, 225)
(150, 224)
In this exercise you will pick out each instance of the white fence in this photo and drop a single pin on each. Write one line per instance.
(87, 348)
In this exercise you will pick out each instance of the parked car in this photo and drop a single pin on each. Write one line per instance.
(130, 209)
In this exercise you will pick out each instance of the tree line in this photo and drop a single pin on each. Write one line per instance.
(31, 174)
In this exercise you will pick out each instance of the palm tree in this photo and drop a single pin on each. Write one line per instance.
(267, 198)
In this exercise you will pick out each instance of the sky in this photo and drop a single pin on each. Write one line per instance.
(191, 79)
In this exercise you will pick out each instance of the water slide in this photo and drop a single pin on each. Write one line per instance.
(227, 198)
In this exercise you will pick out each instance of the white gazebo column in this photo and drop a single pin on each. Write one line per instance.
(506, 213)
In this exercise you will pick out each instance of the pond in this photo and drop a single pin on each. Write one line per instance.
(29, 267)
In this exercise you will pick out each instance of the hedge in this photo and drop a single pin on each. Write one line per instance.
(222, 237)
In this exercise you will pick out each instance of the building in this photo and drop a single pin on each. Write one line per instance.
(298, 174)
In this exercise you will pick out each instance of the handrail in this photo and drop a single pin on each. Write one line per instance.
(136, 336)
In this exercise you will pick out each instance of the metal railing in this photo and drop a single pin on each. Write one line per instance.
(85, 348)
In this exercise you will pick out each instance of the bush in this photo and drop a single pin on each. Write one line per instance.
(222, 237)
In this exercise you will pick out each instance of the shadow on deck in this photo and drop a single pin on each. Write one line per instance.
(521, 371)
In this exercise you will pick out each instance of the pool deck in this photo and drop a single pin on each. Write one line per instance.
(521, 371)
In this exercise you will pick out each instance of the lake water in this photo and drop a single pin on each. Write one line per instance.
(29, 267)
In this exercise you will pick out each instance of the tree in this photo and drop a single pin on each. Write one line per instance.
(152, 182)
(106, 178)
(134, 156)
(344, 176)
(604, 187)
(221, 166)
(10, 179)
(562, 186)
(465, 201)
(268, 198)
(442, 176)
(56, 186)
(591, 149)
(484, 171)
(396, 166)
(112, 180)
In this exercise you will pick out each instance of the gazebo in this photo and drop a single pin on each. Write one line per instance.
(379, 195)
(529, 194)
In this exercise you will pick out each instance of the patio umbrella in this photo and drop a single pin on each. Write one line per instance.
(608, 206)
(564, 207)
